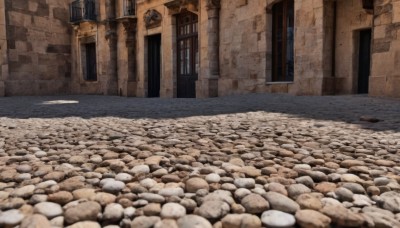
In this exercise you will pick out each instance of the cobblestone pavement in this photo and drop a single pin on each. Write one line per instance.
(240, 161)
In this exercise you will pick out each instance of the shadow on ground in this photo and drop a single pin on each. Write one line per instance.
(335, 108)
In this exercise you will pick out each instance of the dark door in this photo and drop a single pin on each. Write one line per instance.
(91, 65)
(188, 54)
(154, 65)
(283, 41)
(364, 64)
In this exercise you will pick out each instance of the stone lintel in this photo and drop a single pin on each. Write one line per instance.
(176, 6)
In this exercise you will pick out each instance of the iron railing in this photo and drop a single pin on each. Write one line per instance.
(82, 10)
(129, 7)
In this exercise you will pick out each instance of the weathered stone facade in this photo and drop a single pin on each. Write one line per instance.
(37, 51)
(385, 71)
(235, 52)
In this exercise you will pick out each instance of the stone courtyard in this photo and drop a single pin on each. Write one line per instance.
(240, 161)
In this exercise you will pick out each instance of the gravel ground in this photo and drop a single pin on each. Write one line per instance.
(240, 161)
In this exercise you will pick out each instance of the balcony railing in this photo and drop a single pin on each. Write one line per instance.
(82, 10)
(129, 7)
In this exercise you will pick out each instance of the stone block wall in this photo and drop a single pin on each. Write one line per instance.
(3, 49)
(246, 48)
(167, 31)
(38, 47)
(243, 47)
(309, 47)
(102, 32)
(385, 72)
(350, 19)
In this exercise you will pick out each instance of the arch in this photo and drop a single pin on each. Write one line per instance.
(271, 4)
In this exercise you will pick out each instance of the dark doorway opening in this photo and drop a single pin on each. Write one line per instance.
(154, 65)
(283, 41)
(91, 62)
(188, 54)
(364, 61)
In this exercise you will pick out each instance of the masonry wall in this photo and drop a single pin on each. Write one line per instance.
(243, 47)
(309, 47)
(3, 49)
(246, 48)
(167, 31)
(102, 32)
(38, 47)
(385, 72)
(350, 19)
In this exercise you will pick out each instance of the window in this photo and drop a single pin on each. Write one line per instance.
(187, 54)
(82, 10)
(283, 41)
(129, 7)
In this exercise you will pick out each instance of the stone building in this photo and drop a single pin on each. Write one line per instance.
(199, 48)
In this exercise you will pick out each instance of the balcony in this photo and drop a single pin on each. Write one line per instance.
(82, 10)
(129, 8)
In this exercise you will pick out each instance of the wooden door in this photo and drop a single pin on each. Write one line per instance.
(187, 54)
(154, 65)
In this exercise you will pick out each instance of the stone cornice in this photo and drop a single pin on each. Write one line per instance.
(178, 5)
(213, 4)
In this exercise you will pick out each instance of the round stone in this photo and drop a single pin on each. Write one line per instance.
(113, 213)
(152, 198)
(113, 186)
(148, 183)
(277, 219)
(241, 193)
(344, 194)
(87, 211)
(140, 169)
(193, 221)
(129, 212)
(195, 184)
(10, 218)
(85, 224)
(213, 178)
(281, 203)
(152, 209)
(40, 154)
(295, 190)
(173, 211)
(381, 181)
(24, 192)
(48, 209)
(310, 218)
(213, 210)
(254, 204)
(124, 177)
(35, 221)
(145, 221)
(241, 220)
(24, 168)
(248, 183)
(309, 201)
(168, 192)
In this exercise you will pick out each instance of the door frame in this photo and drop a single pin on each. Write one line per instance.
(194, 50)
(356, 57)
(147, 65)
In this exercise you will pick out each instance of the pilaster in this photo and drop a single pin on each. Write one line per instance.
(207, 86)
